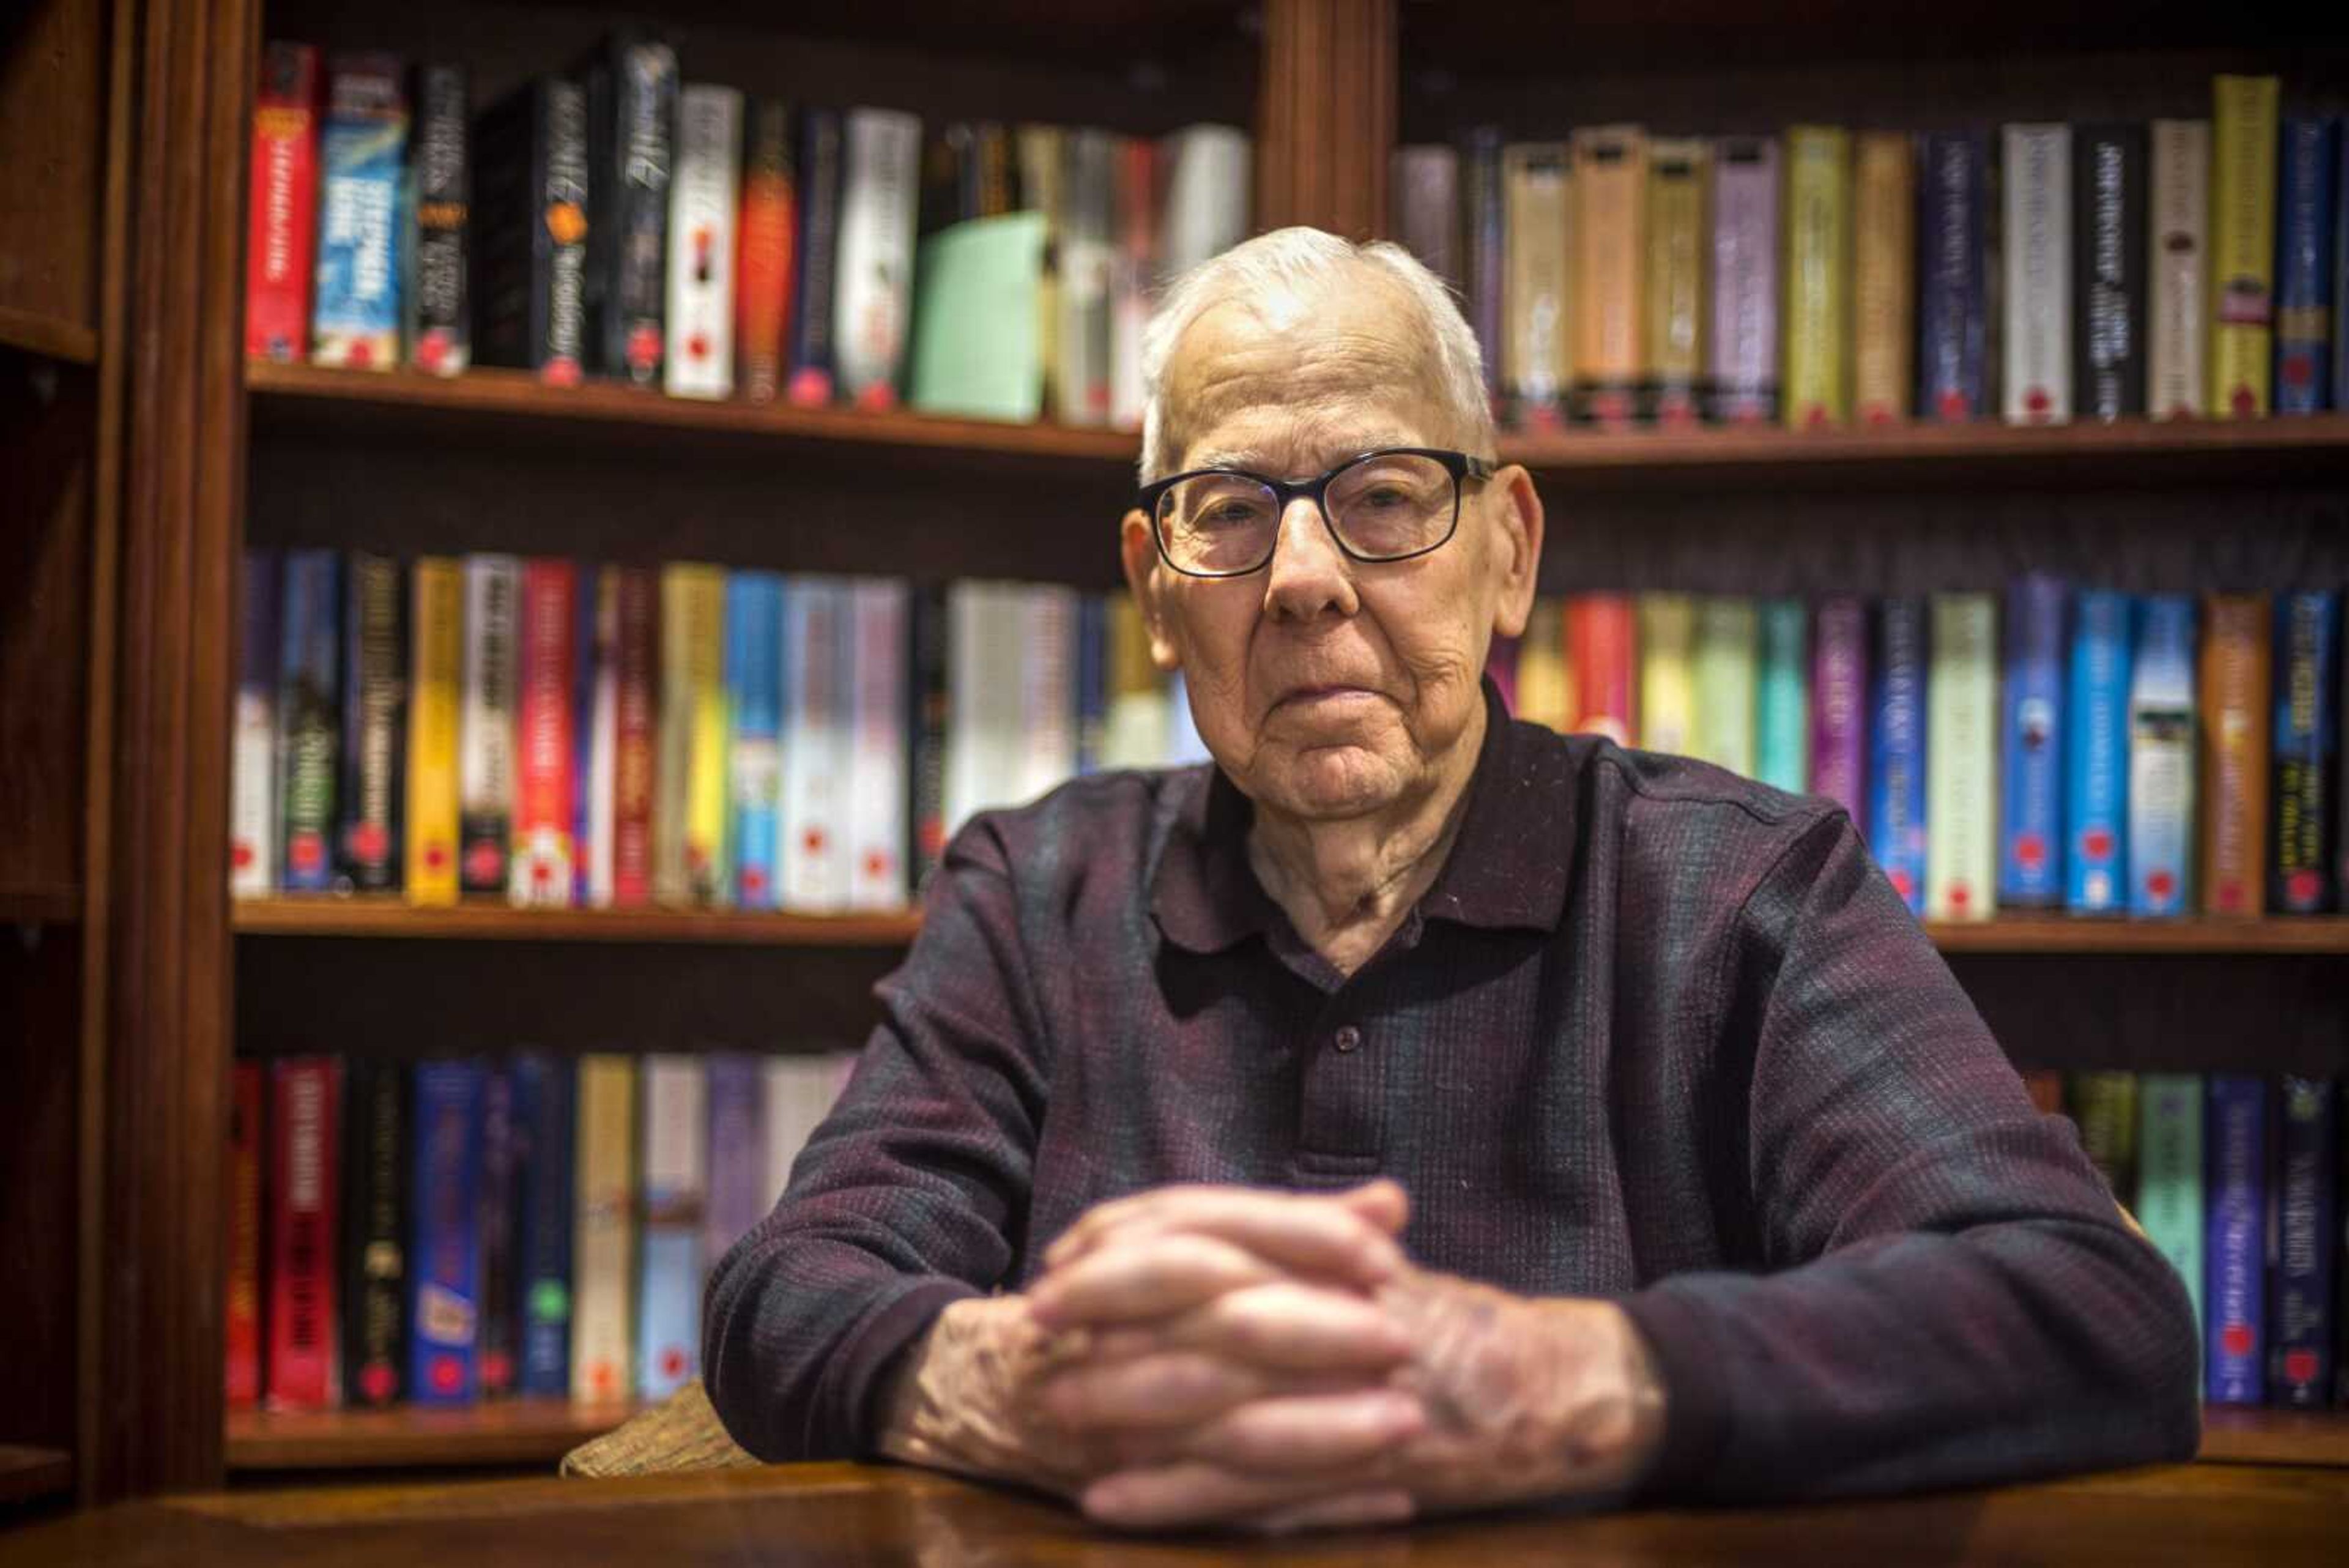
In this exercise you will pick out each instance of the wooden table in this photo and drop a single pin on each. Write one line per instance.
(852, 1515)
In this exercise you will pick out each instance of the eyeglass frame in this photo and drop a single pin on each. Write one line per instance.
(1461, 465)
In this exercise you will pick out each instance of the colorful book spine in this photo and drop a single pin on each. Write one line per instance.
(603, 1238)
(1744, 342)
(2103, 1106)
(764, 233)
(2036, 180)
(1782, 719)
(2161, 757)
(2178, 327)
(2235, 1145)
(1818, 276)
(700, 361)
(2046, 1087)
(546, 783)
(674, 1097)
(545, 1115)
(499, 1358)
(1093, 681)
(485, 765)
(530, 251)
(1483, 227)
(2108, 310)
(281, 234)
(308, 705)
(633, 118)
(1680, 176)
(688, 791)
(2097, 754)
(374, 709)
(440, 210)
(2306, 740)
(1604, 654)
(1952, 288)
(305, 1144)
(444, 1340)
(1544, 689)
(2170, 1174)
(1537, 196)
(1667, 651)
(930, 697)
(2242, 243)
(240, 1317)
(2031, 871)
(1610, 261)
(815, 743)
(2307, 1245)
(1961, 759)
(737, 1194)
(435, 720)
(376, 1235)
(1839, 705)
(2304, 264)
(636, 801)
(877, 794)
(362, 153)
(1884, 221)
(881, 160)
(2235, 691)
(754, 672)
(254, 835)
(594, 637)
(1132, 276)
(1723, 670)
(812, 353)
(1895, 758)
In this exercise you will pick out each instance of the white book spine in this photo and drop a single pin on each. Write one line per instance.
(971, 604)
(815, 746)
(1088, 209)
(1206, 194)
(602, 781)
(880, 163)
(675, 1092)
(799, 1090)
(702, 197)
(485, 731)
(1046, 738)
(2037, 181)
(253, 829)
(1962, 722)
(876, 875)
(2179, 237)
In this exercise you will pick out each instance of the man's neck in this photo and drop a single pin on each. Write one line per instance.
(1347, 884)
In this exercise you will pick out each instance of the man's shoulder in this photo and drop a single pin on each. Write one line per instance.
(1655, 804)
(1116, 815)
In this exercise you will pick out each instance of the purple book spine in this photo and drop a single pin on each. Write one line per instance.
(1839, 705)
(2235, 1255)
(1487, 257)
(2300, 1367)
(1744, 370)
(738, 1152)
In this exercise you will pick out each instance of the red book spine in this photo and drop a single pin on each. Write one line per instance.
(543, 804)
(305, 1156)
(242, 1321)
(633, 750)
(1604, 665)
(284, 189)
(762, 267)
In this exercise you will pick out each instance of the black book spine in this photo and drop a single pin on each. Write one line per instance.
(811, 371)
(504, 218)
(630, 96)
(558, 295)
(2108, 264)
(438, 326)
(375, 1238)
(926, 708)
(375, 713)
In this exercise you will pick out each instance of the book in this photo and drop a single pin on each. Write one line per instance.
(1961, 759)
(1818, 276)
(375, 1282)
(439, 319)
(635, 785)
(1132, 282)
(374, 712)
(444, 1340)
(1782, 719)
(2035, 180)
(700, 352)
(1537, 196)
(1667, 651)
(435, 709)
(1042, 192)
(1044, 732)
(2177, 285)
(241, 1314)
(547, 756)
(689, 784)
(254, 835)
(2244, 134)
(2108, 282)
(738, 1193)
(875, 669)
(2045, 1089)
(1723, 666)
(817, 691)
(592, 716)
(674, 1097)
(2095, 731)
(765, 235)
(2307, 1245)
(630, 82)
(2031, 871)
(1183, 745)
(2234, 693)
(1093, 680)
(362, 151)
(1897, 748)
(603, 1237)
(1609, 269)
(1088, 220)
(499, 1360)
(801, 1089)
(1884, 223)
(543, 1116)
(2306, 743)
(2169, 1173)
(305, 1360)
(1742, 343)
(1208, 180)
(2161, 752)
(1839, 769)
(1602, 647)
(812, 351)
(928, 699)
(309, 689)
(2103, 1105)
(1952, 285)
(2310, 158)
(1484, 255)
(485, 759)
(1425, 196)
(2235, 1184)
(754, 701)
(529, 237)
(985, 631)
(1679, 174)
(1545, 690)
(2341, 358)
(282, 220)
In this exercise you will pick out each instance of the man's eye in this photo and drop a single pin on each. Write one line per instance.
(1230, 514)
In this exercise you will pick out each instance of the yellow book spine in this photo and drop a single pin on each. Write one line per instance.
(1728, 631)
(1535, 188)
(2242, 243)
(1883, 226)
(604, 1228)
(1667, 643)
(707, 861)
(1818, 276)
(1541, 694)
(1679, 171)
(1610, 195)
(435, 684)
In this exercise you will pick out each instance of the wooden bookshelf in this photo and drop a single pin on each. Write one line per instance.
(2061, 934)
(509, 1432)
(2249, 1436)
(30, 1474)
(37, 906)
(53, 337)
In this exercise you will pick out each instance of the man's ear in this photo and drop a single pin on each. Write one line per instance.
(1138, 548)
(1517, 523)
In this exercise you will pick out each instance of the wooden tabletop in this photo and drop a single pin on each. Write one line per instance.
(854, 1515)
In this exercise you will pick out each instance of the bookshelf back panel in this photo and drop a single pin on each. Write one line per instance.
(40, 1093)
(44, 471)
(2240, 1013)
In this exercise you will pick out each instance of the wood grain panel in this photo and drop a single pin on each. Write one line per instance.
(53, 55)
(1326, 115)
(45, 419)
(502, 1433)
(40, 985)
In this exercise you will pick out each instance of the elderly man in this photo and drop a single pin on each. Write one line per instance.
(1417, 1110)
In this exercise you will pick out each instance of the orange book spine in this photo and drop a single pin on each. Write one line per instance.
(1602, 652)
(762, 268)
(1610, 197)
(2235, 692)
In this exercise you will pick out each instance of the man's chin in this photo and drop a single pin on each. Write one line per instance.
(1333, 782)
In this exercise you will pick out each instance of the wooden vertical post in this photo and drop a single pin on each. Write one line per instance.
(1326, 115)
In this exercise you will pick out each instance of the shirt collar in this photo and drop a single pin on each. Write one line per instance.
(1508, 869)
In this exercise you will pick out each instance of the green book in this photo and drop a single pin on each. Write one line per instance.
(2169, 1173)
(977, 352)
(2104, 1104)
(1725, 676)
(1781, 720)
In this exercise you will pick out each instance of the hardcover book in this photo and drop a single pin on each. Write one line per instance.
(1818, 276)
(2307, 743)
(2304, 264)
(668, 1299)
(1537, 192)
(1667, 652)
(1611, 260)
(2108, 223)
(1782, 720)
(2169, 1173)
(1485, 228)
(305, 1143)
(530, 242)
(374, 709)
(499, 1360)
(2030, 872)
(282, 228)
(1426, 196)
(2242, 243)
(2036, 180)
(2097, 754)
(2307, 1245)
(543, 1119)
(880, 161)
(765, 231)
(815, 785)
(2162, 757)
(445, 1338)
(930, 699)
(631, 102)
(2234, 697)
(1896, 754)
(440, 208)
(1839, 705)
(754, 672)
(1544, 689)
(2103, 1106)
(375, 1241)
(700, 349)
(1603, 652)
(739, 1196)
(254, 831)
(1961, 759)
(1884, 222)
(362, 152)
(309, 689)
(485, 772)
(636, 798)
(1680, 170)
(1953, 303)
(2235, 1188)
(876, 672)
(603, 1241)
(2178, 289)
(1743, 345)
(434, 720)
(812, 352)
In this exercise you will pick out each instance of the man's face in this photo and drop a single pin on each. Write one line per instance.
(1326, 687)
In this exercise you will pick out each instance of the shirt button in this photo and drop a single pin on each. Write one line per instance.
(1347, 1038)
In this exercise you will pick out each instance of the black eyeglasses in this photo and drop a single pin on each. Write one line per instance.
(1385, 505)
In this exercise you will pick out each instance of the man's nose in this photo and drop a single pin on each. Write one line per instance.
(1309, 575)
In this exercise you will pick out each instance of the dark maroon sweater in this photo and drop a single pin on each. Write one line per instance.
(1657, 1034)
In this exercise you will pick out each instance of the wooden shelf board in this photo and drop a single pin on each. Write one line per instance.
(39, 906)
(504, 1432)
(53, 337)
(27, 1474)
(2070, 934)
(2237, 1436)
(486, 921)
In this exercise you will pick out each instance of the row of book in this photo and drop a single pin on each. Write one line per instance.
(2040, 272)
(458, 1229)
(563, 734)
(616, 221)
(2071, 748)
(2239, 1180)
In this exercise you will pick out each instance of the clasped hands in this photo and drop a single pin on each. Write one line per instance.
(1267, 1361)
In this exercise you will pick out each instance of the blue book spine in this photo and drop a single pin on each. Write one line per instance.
(2340, 278)
(754, 691)
(1896, 771)
(445, 1321)
(583, 734)
(1952, 310)
(309, 717)
(2299, 1358)
(500, 1330)
(541, 1128)
(2162, 758)
(2096, 755)
(1782, 712)
(2235, 1199)
(2031, 806)
(2306, 735)
(362, 158)
(2310, 157)
(815, 254)
(1093, 680)
(739, 1198)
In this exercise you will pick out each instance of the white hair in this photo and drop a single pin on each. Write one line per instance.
(1290, 261)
